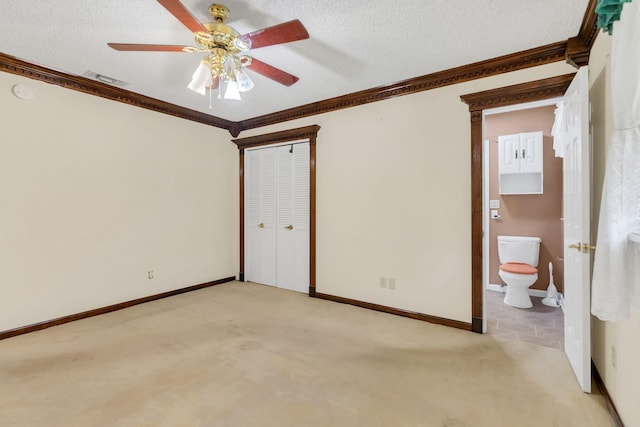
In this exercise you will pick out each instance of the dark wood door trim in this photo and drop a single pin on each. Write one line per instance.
(478, 102)
(241, 170)
(309, 133)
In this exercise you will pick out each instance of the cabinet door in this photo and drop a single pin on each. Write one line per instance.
(531, 152)
(509, 154)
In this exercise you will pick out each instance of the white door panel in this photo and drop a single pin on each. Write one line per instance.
(260, 226)
(293, 217)
(576, 202)
(269, 203)
(277, 216)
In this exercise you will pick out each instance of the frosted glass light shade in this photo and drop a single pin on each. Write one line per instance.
(232, 91)
(201, 78)
(245, 84)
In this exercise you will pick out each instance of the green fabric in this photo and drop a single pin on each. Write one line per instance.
(608, 12)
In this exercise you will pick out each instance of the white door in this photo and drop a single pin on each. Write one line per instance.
(260, 217)
(293, 217)
(576, 179)
(277, 216)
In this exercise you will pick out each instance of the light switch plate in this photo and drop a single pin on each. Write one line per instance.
(494, 204)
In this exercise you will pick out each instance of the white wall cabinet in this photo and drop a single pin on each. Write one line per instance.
(520, 163)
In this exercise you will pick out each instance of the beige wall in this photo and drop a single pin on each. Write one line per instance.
(532, 214)
(622, 379)
(393, 200)
(94, 193)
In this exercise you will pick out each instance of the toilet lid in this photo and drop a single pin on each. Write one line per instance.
(518, 268)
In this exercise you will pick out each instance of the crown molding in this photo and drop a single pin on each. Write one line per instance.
(520, 93)
(579, 47)
(574, 51)
(589, 27)
(516, 61)
(19, 67)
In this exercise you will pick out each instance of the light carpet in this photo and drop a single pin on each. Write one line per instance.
(241, 354)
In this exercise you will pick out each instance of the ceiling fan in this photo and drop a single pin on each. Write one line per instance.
(224, 66)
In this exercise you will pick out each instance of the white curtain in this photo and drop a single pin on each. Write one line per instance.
(616, 274)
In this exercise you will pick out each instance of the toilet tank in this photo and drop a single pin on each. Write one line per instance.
(519, 249)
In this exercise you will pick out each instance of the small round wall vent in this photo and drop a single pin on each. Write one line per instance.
(23, 91)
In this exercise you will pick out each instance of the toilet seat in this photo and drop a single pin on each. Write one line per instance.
(518, 268)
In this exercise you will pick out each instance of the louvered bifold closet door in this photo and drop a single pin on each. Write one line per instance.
(260, 217)
(293, 217)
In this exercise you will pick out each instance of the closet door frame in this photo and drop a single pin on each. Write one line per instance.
(304, 133)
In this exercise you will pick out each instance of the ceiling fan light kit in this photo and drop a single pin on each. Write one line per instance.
(225, 64)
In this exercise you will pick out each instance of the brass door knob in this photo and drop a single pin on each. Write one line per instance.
(289, 227)
(577, 246)
(261, 225)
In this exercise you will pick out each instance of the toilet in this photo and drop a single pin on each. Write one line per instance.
(519, 259)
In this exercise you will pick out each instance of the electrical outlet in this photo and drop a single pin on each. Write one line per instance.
(150, 274)
(392, 284)
(614, 356)
(383, 282)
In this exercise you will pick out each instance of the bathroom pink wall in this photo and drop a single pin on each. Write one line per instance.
(532, 214)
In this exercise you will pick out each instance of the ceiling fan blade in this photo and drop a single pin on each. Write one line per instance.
(178, 10)
(273, 73)
(147, 47)
(281, 33)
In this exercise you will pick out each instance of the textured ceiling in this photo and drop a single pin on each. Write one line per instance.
(353, 44)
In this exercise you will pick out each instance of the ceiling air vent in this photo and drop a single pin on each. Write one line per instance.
(104, 79)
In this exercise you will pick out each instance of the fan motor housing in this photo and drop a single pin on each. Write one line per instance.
(221, 36)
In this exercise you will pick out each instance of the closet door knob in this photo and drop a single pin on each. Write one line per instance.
(261, 225)
(588, 248)
(289, 227)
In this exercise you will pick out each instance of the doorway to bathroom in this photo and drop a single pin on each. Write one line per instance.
(574, 137)
(523, 191)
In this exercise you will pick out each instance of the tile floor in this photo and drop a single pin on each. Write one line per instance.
(540, 324)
